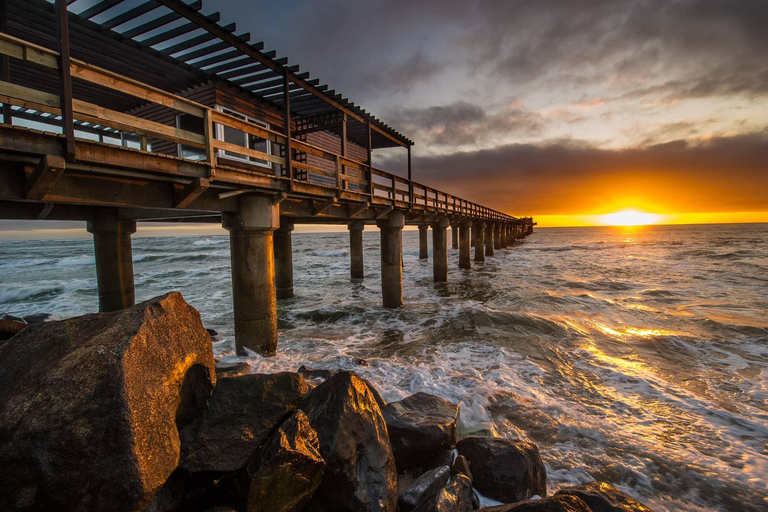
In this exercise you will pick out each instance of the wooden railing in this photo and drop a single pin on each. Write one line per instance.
(373, 184)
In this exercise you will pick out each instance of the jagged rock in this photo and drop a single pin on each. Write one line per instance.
(461, 466)
(423, 487)
(8, 316)
(505, 470)
(443, 457)
(360, 468)
(242, 412)
(90, 407)
(553, 504)
(232, 369)
(212, 332)
(420, 426)
(287, 470)
(603, 497)
(312, 373)
(38, 318)
(454, 497)
(10, 328)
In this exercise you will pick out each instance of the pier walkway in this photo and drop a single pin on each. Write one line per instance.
(129, 111)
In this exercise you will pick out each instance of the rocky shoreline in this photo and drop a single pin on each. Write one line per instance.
(130, 411)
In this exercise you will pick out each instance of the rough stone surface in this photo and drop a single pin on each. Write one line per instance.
(420, 426)
(38, 318)
(505, 470)
(288, 468)
(232, 369)
(360, 468)
(553, 504)
(90, 407)
(454, 497)
(9, 328)
(423, 487)
(242, 412)
(461, 466)
(603, 497)
(442, 458)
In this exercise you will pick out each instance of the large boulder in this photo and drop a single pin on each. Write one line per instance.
(603, 497)
(288, 469)
(505, 470)
(420, 426)
(243, 411)
(454, 497)
(10, 328)
(90, 407)
(554, 504)
(423, 487)
(360, 468)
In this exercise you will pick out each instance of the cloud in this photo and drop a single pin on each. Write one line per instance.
(567, 177)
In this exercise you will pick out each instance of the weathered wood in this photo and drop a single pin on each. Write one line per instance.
(65, 79)
(188, 194)
(318, 208)
(45, 175)
(240, 150)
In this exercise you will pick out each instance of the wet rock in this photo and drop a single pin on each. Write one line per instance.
(461, 466)
(9, 328)
(420, 426)
(553, 504)
(505, 470)
(288, 468)
(242, 412)
(90, 407)
(38, 318)
(7, 316)
(443, 457)
(454, 497)
(312, 373)
(360, 468)
(423, 487)
(603, 497)
(232, 369)
(212, 332)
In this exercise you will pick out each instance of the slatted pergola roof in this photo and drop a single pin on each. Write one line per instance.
(173, 45)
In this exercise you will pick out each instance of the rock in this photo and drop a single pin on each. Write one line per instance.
(423, 487)
(288, 468)
(232, 369)
(505, 470)
(454, 497)
(38, 318)
(461, 466)
(90, 407)
(603, 497)
(420, 426)
(7, 316)
(242, 412)
(553, 504)
(311, 373)
(212, 332)
(9, 328)
(360, 468)
(442, 458)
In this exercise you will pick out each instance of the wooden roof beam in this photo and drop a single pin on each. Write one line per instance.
(98, 8)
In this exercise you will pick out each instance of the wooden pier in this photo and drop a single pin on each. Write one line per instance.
(113, 117)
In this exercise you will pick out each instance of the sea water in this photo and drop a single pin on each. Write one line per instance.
(633, 356)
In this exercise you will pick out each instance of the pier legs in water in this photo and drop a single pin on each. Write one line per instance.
(357, 268)
(479, 229)
(489, 228)
(502, 236)
(454, 237)
(497, 236)
(472, 234)
(464, 249)
(251, 224)
(114, 262)
(392, 259)
(440, 250)
(423, 242)
(283, 260)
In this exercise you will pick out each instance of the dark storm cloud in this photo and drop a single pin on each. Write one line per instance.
(719, 174)
(463, 123)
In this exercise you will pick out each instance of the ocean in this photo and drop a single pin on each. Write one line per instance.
(636, 356)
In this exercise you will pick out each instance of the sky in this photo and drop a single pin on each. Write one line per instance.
(558, 109)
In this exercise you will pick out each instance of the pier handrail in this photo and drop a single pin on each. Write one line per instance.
(374, 185)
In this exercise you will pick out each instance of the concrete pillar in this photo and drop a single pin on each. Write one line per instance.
(511, 235)
(489, 228)
(114, 262)
(440, 250)
(472, 235)
(356, 249)
(423, 242)
(251, 225)
(454, 236)
(479, 229)
(392, 259)
(502, 235)
(497, 235)
(283, 260)
(464, 250)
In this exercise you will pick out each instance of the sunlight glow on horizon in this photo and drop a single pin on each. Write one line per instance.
(630, 217)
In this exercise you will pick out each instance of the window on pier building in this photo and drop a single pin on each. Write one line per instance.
(240, 138)
(192, 124)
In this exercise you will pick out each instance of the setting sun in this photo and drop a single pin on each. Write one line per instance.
(629, 218)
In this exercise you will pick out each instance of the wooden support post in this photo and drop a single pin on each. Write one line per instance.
(287, 126)
(5, 61)
(65, 79)
(369, 177)
(45, 175)
(210, 151)
(410, 179)
(188, 194)
(343, 183)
